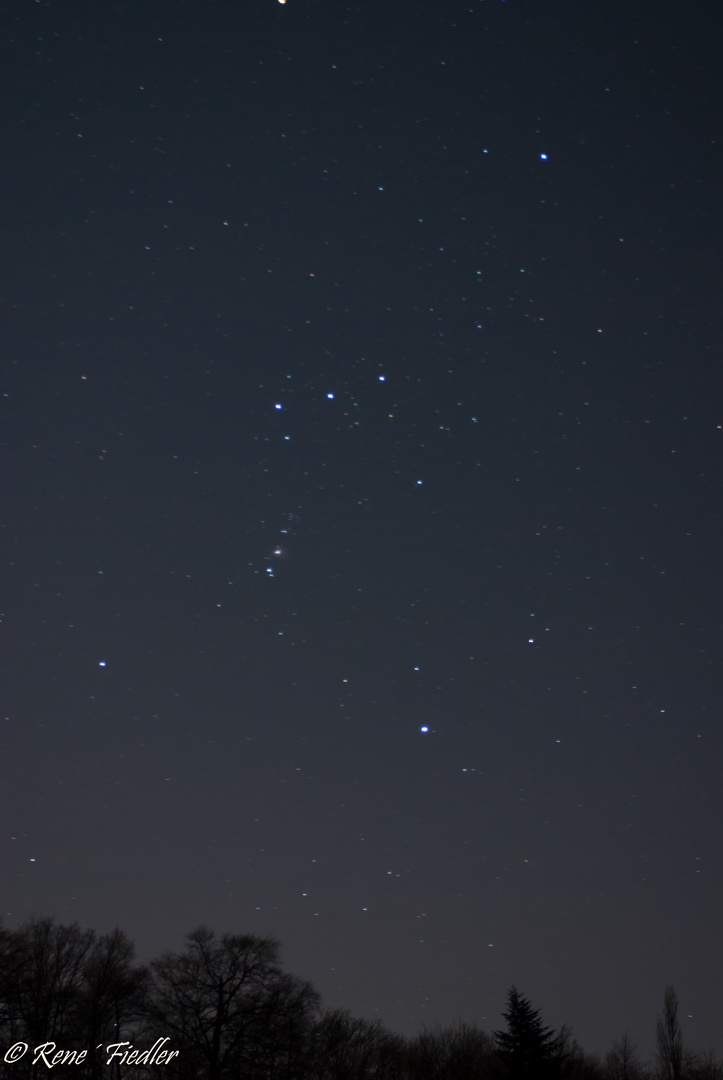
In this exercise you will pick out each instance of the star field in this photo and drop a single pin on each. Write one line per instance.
(362, 439)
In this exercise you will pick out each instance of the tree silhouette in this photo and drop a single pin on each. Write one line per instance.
(230, 1011)
(65, 985)
(111, 997)
(348, 1048)
(442, 1052)
(225, 1001)
(622, 1060)
(41, 994)
(669, 1038)
(527, 1048)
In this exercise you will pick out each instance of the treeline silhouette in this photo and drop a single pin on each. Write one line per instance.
(76, 1003)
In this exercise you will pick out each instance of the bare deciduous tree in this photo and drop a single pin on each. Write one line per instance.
(222, 1000)
(111, 996)
(348, 1048)
(669, 1038)
(463, 1051)
(48, 983)
(622, 1061)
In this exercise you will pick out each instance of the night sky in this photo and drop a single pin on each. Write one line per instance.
(361, 520)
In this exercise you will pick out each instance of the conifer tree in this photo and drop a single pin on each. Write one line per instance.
(528, 1049)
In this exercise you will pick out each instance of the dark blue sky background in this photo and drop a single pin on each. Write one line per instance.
(360, 375)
